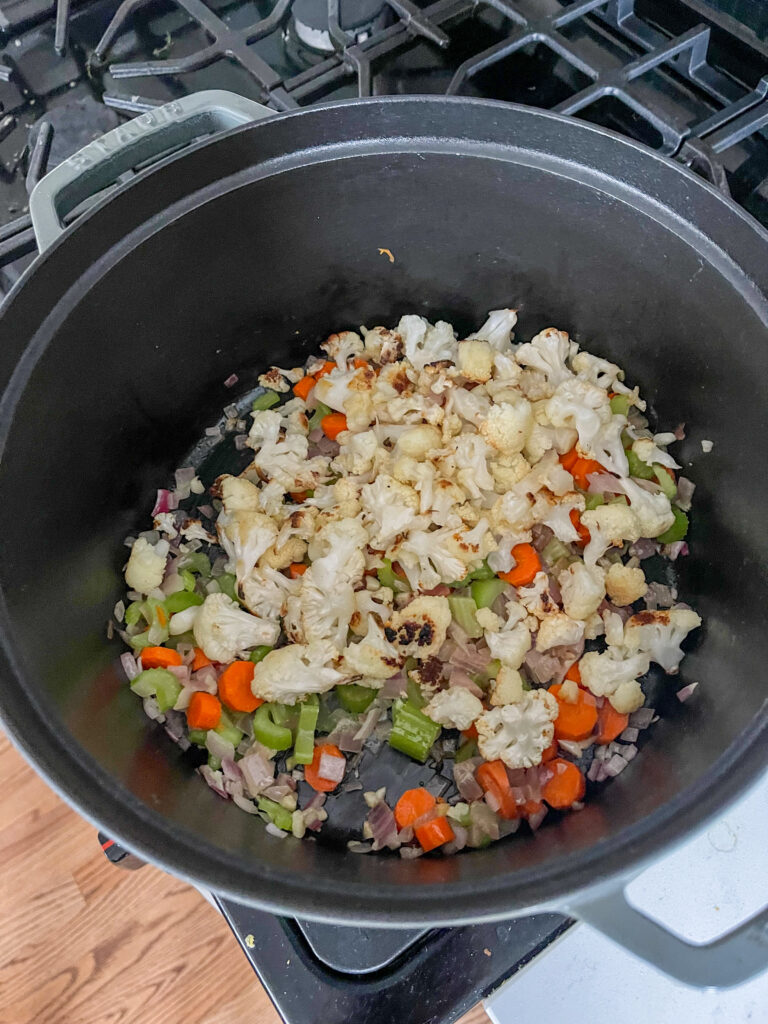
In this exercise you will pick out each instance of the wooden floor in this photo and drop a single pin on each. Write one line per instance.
(83, 942)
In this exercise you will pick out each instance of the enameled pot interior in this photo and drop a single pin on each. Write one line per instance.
(130, 371)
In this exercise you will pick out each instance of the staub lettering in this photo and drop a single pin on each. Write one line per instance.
(120, 137)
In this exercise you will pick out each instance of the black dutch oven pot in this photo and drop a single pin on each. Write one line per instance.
(246, 250)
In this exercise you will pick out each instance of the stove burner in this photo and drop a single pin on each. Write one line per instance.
(313, 22)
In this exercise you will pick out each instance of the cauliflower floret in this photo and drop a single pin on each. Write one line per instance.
(609, 526)
(237, 493)
(266, 591)
(265, 428)
(648, 452)
(428, 557)
(390, 507)
(497, 329)
(376, 602)
(508, 470)
(625, 585)
(508, 426)
(558, 630)
(472, 406)
(245, 536)
(224, 631)
(602, 674)
(419, 630)
(510, 645)
(183, 621)
(290, 673)
(359, 410)
(556, 514)
(536, 598)
(282, 555)
(546, 474)
(582, 588)
(425, 343)
(597, 371)
(382, 345)
(470, 455)
(584, 407)
(659, 634)
(512, 513)
(455, 708)
(337, 553)
(627, 697)
(653, 511)
(508, 687)
(320, 613)
(374, 656)
(358, 453)
(273, 380)
(146, 565)
(475, 360)
(286, 463)
(342, 346)
(488, 620)
(417, 442)
(548, 353)
(518, 733)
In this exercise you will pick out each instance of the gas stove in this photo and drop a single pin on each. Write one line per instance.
(686, 77)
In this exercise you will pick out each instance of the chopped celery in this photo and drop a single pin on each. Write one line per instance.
(412, 732)
(483, 572)
(460, 814)
(415, 696)
(463, 610)
(593, 501)
(180, 638)
(227, 729)
(677, 530)
(141, 640)
(214, 762)
(196, 561)
(666, 482)
(267, 731)
(620, 404)
(465, 751)
(197, 736)
(620, 499)
(277, 815)
(304, 747)
(386, 575)
(227, 585)
(554, 551)
(321, 411)
(133, 613)
(265, 401)
(259, 653)
(638, 468)
(158, 683)
(181, 600)
(189, 579)
(485, 592)
(354, 698)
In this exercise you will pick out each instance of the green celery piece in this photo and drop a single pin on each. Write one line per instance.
(133, 613)
(415, 696)
(354, 698)
(214, 762)
(677, 530)
(304, 747)
(386, 575)
(228, 584)
(620, 499)
(485, 592)
(265, 401)
(259, 653)
(181, 600)
(639, 468)
(554, 551)
(197, 562)
(197, 736)
(141, 640)
(620, 404)
(321, 411)
(158, 683)
(180, 638)
(189, 579)
(229, 733)
(593, 501)
(464, 819)
(268, 732)
(277, 815)
(465, 751)
(412, 732)
(667, 484)
(483, 572)
(463, 610)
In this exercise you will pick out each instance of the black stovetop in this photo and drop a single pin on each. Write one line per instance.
(687, 77)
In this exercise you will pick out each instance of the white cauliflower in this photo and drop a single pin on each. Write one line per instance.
(625, 585)
(238, 494)
(286, 463)
(425, 343)
(518, 733)
(382, 345)
(280, 556)
(597, 371)
(319, 613)
(455, 708)
(472, 406)
(627, 697)
(508, 687)
(265, 428)
(507, 427)
(358, 453)
(182, 622)
(659, 634)
(470, 455)
(653, 511)
(290, 673)
(417, 442)
(584, 407)
(488, 620)
(146, 565)
(374, 655)
(582, 588)
(497, 329)
(273, 380)
(475, 360)
(556, 514)
(266, 591)
(390, 507)
(420, 629)
(602, 674)
(429, 558)
(548, 353)
(609, 526)
(558, 630)
(224, 631)
(648, 452)
(508, 470)
(245, 535)
(510, 645)
(342, 347)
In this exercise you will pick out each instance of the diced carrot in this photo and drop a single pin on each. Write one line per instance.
(531, 807)
(303, 386)
(327, 366)
(333, 424)
(581, 470)
(162, 618)
(575, 517)
(359, 363)
(574, 673)
(610, 723)
(297, 569)
(569, 460)
(204, 710)
(200, 660)
(528, 564)
(235, 687)
(550, 752)
(671, 472)
(159, 657)
(434, 833)
(565, 786)
(312, 771)
(492, 776)
(574, 721)
(412, 805)
(471, 732)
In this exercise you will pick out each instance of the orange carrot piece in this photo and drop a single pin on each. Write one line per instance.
(333, 424)
(565, 786)
(584, 535)
(574, 721)
(235, 687)
(200, 660)
(434, 833)
(303, 386)
(569, 460)
(327, 366)
(528, 564)
(162, 618)
(297, 569)
(359, 363)
(204, 711)
(610, 723)
(574, 673)
(412, 805)
(159, 657)
(470, 733)
(550, 752)
(492, 776)
(581, 470)
(312, 771)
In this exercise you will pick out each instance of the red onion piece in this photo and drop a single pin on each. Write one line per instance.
(231, 380)
(257, 771)
(644, 548)
(615, 764)
(659, 595)
(383, 827)
(686, 692)
(630, 734)
(541, 536)
(204, 679)
(470, 657)
(629, 751)
(459, 841)
(181, 672)
(603, 483)
(166, 501)
(675, 550)
(129, 665)
(460, 678)
(535, 820)
(331, 767)
(218, 746)
(679, 432)
(215, 780)
(316, 802)
(642, 718)
(685, 489)
(244, 804)
(464, 777)
(394, 687)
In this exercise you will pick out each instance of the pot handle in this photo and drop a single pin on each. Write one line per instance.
(148, 136)
(732, 959)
